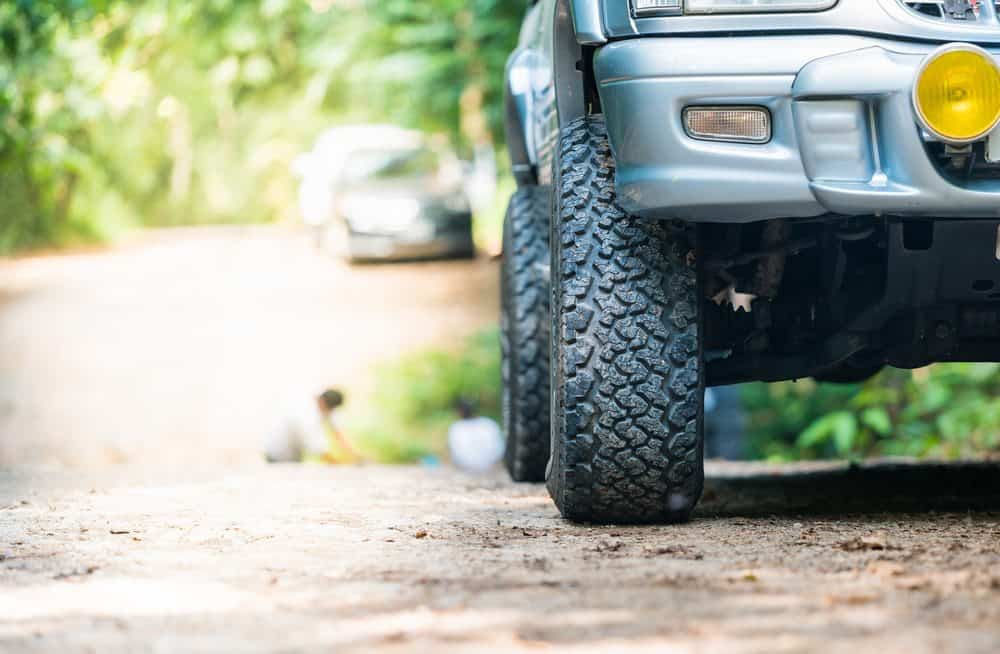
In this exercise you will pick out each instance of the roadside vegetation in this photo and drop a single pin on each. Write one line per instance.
(408, 414)
(116, 115)
(946, 411)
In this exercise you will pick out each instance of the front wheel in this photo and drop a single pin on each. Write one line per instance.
(627, 375)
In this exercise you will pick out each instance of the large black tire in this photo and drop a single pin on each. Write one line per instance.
(627, 375)
(525, 334)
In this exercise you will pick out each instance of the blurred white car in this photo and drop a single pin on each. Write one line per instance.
(383, 192)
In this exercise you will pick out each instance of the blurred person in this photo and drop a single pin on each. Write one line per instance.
(475, 443)
(308, 432)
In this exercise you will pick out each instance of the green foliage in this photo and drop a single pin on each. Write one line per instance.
(116, 114)
(441, 62)
(42, 138)
(945, 411)
(412, 406)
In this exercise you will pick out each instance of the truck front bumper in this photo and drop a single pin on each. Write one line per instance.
(845, 136)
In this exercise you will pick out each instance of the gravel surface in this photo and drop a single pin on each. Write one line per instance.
(407, 559)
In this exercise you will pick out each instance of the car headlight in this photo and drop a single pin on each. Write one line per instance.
(675, 7)
(371, 213)
(456, 203)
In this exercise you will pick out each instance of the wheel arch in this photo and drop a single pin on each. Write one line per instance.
(588, 24)
(517, 105)
(577, 29)
(569, 61)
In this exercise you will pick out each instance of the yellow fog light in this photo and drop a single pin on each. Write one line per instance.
(957, 93)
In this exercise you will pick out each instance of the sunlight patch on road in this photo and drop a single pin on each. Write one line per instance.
(121, 597)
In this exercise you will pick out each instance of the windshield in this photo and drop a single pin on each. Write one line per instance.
(391, 164)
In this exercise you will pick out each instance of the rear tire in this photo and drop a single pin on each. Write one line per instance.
(525, 334)
(627, 376)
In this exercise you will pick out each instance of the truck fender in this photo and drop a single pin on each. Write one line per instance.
(518, 100)
(587, 24)
(567, 53)
(576, 29)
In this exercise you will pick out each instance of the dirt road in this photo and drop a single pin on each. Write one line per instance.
(386, 560)
(184, 347)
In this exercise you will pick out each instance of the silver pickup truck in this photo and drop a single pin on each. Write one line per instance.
(718, 191)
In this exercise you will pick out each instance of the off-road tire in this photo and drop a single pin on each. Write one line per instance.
(627, 374)
(525, 334)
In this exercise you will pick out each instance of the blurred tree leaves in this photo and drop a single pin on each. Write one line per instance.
(45, 95)
(442, 61)
(896, 413)
(413, 403)
(948, 411)
(164, 112)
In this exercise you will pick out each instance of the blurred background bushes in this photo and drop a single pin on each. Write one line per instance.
(944, 411)
(119, 114)
(413, 404)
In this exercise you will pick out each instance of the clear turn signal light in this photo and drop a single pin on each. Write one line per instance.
(643, 8)
(732, 124)
(647, 7)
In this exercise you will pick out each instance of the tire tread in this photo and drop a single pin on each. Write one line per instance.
(627, 419)
(526, 338)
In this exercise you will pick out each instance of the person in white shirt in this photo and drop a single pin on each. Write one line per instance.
(475, 443)
(305, 432)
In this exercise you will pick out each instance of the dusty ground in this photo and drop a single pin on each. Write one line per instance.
(384, 560)
(134, 385)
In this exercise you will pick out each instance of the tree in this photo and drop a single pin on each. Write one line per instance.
(163, 112)
(42, 135)
(439, 64)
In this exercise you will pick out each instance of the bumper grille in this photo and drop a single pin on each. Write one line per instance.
(963, 164)
(956, 11)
